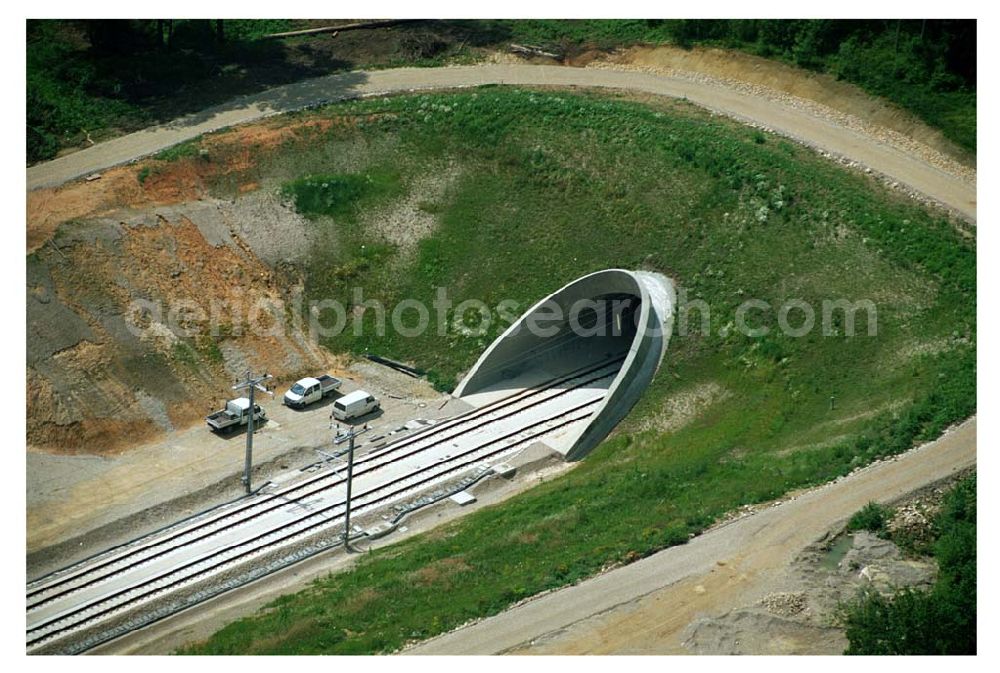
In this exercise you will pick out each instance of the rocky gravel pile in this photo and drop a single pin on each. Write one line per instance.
(785, 604)
(914, 519)
(802, 619)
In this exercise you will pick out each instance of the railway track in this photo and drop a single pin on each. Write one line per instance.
(53, 624)
(60, 583)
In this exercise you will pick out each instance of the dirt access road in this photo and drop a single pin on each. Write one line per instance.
(938, 185)
(645, 607)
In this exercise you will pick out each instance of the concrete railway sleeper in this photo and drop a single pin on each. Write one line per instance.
(334, 506)
(469, 459)
(303, 489)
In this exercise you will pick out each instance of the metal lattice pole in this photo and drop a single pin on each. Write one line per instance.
(252, 385)
(350, 477)
(248, 457)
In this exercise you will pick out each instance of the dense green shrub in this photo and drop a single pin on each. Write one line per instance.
(941, 620)
(873, 517)
(925, 66)
(65, 96)
(339, 195)
(86, 79)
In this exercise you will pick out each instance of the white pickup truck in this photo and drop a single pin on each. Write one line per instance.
(308, 390)
(236, 413)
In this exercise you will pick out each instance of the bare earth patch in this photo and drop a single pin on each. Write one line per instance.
(409, 220)
(686, 405)
(153, 182)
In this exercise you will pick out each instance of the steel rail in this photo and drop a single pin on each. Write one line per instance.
(298, 533)
(390, 448)
(268, 510)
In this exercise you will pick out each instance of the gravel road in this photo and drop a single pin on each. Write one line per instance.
(800, 122)
(644, 608)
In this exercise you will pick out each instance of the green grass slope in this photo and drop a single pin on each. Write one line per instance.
(546, 187)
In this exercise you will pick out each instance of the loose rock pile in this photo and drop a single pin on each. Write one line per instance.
(785, 604)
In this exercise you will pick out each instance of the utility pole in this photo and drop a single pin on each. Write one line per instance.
(351, 434)
(252, 384)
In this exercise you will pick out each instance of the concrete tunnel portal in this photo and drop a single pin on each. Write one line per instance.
(589, 349)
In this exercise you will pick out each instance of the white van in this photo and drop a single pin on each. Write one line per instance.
(353, 405)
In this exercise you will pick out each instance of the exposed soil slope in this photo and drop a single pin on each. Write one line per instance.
(736, 67)
(94, 384)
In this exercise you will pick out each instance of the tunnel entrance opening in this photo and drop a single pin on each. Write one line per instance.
(577, 361)
(583, 349)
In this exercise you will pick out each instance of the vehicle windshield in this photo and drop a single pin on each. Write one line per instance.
(339, 406)
(298, 389)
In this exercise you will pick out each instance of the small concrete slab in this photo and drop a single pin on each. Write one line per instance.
(463, 498)
(504, 470)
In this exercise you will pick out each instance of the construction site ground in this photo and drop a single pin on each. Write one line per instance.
(81, 504)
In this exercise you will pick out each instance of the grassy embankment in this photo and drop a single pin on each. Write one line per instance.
(550, 187)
